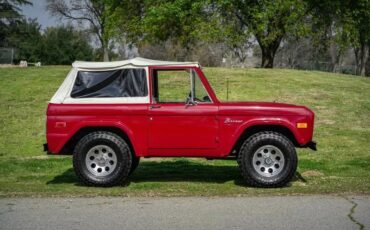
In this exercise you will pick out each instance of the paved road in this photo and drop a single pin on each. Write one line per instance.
(293, 212)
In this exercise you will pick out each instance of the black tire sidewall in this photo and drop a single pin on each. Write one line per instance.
(135, 164)
(123, 160)
(288, 151)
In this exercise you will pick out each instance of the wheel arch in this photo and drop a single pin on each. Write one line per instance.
(251, 130)
(69, 146)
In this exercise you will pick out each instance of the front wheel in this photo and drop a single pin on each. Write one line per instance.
(267, 159)
(102, 159)
(135, 163)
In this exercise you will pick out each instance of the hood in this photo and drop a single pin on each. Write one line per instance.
(263, 108)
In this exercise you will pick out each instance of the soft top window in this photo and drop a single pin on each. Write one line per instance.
(114, 83)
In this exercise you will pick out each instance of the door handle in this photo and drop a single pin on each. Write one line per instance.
(155, 107)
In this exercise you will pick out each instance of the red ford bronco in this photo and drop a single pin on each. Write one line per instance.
(111, 114)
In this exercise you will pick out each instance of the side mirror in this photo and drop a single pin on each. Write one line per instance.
(189, 102)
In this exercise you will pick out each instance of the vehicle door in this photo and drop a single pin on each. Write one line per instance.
(182, 115)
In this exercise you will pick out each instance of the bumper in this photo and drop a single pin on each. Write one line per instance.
(46, 149)
(311, 145)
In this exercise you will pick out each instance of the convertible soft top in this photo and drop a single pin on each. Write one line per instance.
(138, 61)
(110, 82)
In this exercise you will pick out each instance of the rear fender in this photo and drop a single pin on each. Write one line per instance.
(86, 124)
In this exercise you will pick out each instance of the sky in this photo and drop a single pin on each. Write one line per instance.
(38, 10)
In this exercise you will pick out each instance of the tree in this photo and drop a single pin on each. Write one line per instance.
(146, 22)
(175, 20)
(269, 22)
(10, 15)
(56, 45)
(26, 37)
(351, 22)
(64, 44)
(93, 12)
(356, 20)
(229, 31)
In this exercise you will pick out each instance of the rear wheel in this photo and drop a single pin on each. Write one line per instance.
(102, 159)
(267, 159)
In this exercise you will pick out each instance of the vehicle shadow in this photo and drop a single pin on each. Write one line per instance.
(175, 171)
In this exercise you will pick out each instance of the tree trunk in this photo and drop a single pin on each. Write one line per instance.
(337, 65)
(268, 52)
(364, 58)
(357, 59)
(105, 54)
(104, 46)
(367, 68)
(336, 57)
(267, 60)
(268, 55)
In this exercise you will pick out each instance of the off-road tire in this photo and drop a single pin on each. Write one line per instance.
(135, 163)
(115, 142)
(249, 148)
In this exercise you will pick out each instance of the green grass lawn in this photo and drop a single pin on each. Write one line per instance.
(341, 165)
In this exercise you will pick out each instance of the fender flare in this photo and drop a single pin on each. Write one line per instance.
(101, 123)
(282, 122)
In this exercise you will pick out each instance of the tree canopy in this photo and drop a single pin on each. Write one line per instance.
(268, 21)
(10, 16)
(55, 45)
(326, 29)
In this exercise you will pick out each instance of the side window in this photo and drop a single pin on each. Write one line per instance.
(114, 83)
(180, 86)
(171, 85)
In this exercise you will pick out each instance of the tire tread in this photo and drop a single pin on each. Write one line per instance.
(114, 138)
(248, 145)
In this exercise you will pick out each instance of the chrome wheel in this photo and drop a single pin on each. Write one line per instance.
(101, 160)
(268, 161)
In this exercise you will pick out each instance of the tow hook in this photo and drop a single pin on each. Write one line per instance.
(311, 145)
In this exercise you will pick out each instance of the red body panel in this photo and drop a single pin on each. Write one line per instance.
(198, 125)
(176, 129)
(131, 119)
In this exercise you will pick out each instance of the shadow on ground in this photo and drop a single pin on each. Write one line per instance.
(176, 171)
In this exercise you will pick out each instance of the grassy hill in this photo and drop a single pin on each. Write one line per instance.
(342, 164)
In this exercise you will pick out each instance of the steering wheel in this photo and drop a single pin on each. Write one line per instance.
(206, 99)
(197, 99)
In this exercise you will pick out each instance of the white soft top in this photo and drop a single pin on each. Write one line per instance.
(63, 95)
(138, 61)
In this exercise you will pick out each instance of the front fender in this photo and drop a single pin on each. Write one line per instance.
(288, 122)
(266, 121)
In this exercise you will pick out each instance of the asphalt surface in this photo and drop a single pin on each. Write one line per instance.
(290, 212)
